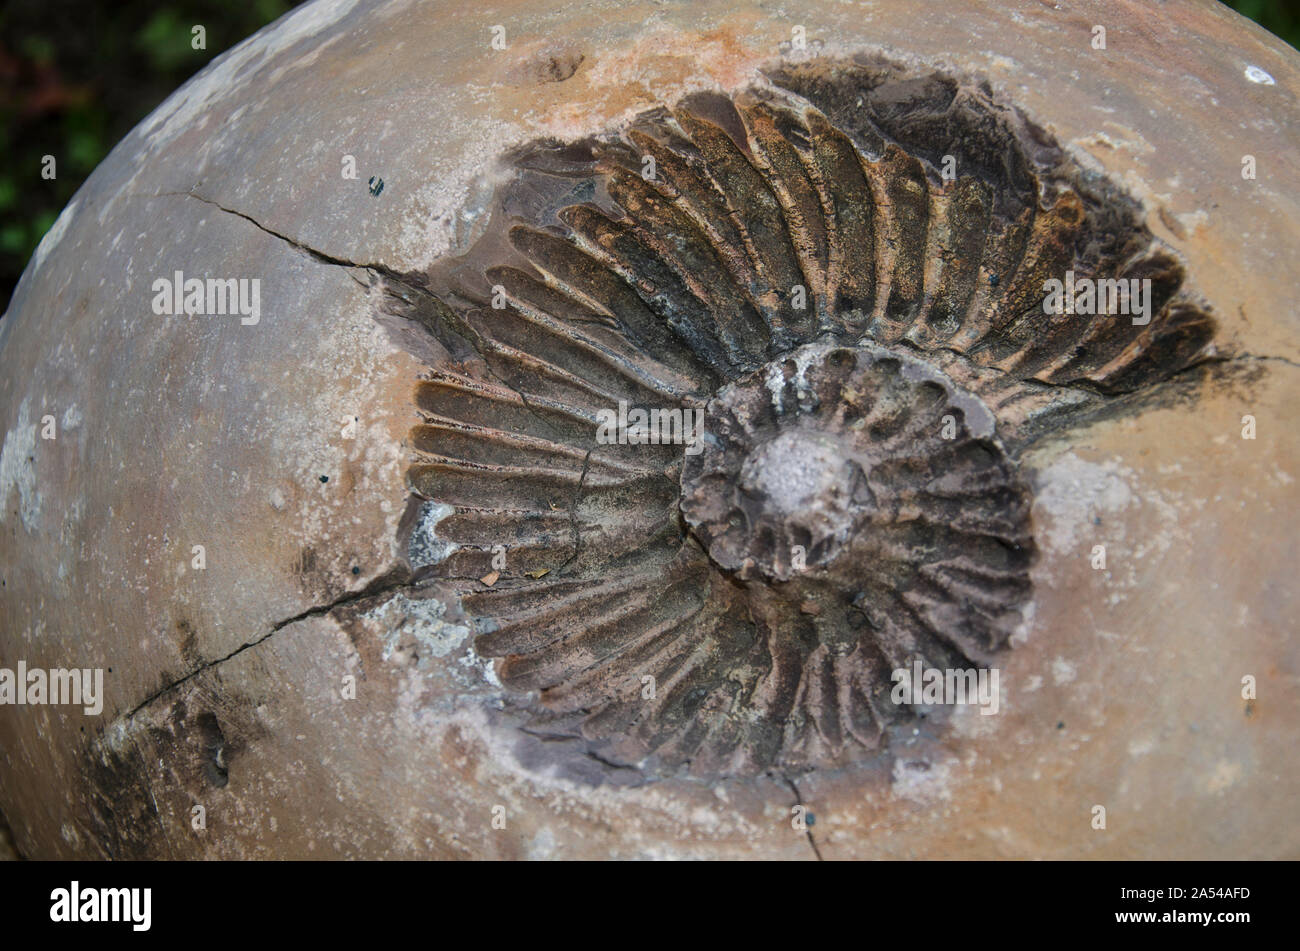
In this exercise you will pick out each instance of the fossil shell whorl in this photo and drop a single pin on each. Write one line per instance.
(795, 265)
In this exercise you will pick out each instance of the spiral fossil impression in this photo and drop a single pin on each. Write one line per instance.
(866, 339)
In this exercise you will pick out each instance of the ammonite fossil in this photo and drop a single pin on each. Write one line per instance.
(844, 274)
(698, 368)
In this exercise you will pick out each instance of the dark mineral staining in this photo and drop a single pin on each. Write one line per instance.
(120, 813)
(189, 643)
(867, 343)
(559, 67)
(180, 755)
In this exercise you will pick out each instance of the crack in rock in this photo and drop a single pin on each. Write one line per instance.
(395, 580)
(317, 255)
(799, 801)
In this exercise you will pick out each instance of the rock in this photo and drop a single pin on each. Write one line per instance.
(237, 522)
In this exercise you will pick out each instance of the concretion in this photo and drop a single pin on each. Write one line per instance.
(424, 588)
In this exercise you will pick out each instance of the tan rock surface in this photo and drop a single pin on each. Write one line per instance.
(223, 684)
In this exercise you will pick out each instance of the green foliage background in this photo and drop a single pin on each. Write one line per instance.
(77, 75)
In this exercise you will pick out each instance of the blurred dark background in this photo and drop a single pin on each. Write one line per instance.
(77, 75)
